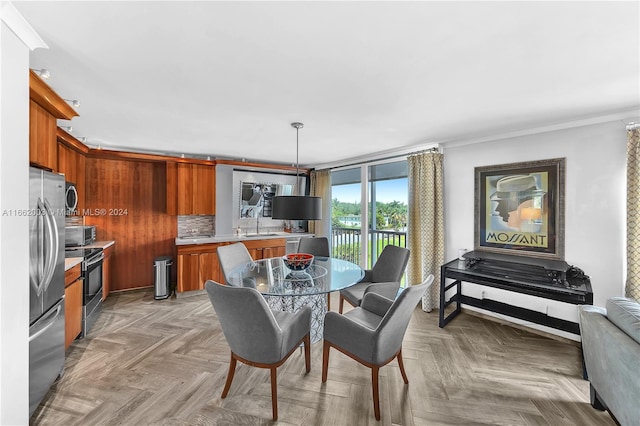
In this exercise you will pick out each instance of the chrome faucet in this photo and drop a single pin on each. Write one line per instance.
(258, 223)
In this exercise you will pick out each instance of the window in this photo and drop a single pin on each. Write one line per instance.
(383, 187)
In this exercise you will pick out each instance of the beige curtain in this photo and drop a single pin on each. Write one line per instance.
(321, 187)
(632, 287)
(426, 223)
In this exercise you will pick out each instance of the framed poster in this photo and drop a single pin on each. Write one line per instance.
(519, 208)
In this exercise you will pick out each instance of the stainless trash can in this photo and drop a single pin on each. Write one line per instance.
(162, 283)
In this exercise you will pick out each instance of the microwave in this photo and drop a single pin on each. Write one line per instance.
(79, 235)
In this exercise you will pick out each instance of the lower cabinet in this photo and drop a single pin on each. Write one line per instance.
(264, 249)
(73, 305)
(209, 268)
(198, 263)
(188, 272)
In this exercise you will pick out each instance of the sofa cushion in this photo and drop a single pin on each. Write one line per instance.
(625, 314)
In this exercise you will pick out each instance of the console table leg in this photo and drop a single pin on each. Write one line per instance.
(441, 323)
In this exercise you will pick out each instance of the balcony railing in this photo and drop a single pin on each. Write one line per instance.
(347, 243)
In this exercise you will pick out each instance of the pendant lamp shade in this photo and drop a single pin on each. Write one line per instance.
(296, 207)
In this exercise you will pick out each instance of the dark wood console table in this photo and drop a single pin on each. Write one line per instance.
(549, 279)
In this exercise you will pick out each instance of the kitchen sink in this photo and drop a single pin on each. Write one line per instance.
(195, 237)
(262, 235)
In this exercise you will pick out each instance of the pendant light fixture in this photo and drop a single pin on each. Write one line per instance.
(297, 207)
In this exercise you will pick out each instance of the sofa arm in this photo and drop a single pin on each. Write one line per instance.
(611, 358)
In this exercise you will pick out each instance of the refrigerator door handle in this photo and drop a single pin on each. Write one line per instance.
(52, 321)
(41, 262)
(52, 254)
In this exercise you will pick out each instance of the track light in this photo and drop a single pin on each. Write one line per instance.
(67, 128)
(74, 102)
(43, 73)
(83, 139)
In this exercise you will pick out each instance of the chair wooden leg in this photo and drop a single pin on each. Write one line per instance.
(274, 392)
(232, 370)
(376, 391)
(325, 360)
(341, 304)
(307, 352)
(328, 301)
(401, 364)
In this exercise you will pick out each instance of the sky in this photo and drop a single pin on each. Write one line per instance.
(386, 191)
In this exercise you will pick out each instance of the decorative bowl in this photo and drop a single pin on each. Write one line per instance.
(298, 261)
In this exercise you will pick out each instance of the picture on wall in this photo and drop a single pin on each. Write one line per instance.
(519, 208)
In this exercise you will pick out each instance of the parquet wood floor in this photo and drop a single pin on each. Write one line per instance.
(150, 362)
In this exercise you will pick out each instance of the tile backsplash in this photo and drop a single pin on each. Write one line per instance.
(196, 225)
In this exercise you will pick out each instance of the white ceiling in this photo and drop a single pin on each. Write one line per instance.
(226, 78)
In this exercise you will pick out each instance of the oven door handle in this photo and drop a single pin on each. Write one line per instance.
(94, 261)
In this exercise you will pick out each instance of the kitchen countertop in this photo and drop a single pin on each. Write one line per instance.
(180, 241)
(70, 262)
(100, 244)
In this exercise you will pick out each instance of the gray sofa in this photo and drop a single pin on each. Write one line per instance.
(611, 348)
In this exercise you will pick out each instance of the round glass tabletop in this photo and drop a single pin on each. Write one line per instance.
(272, 277)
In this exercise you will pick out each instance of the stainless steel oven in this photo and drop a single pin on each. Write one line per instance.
(92, 284)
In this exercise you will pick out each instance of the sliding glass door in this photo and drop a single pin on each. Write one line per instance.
(358, 234)
(387, 198)
(346, 214)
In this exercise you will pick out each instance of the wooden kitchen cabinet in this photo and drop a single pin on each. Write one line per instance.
(42, 138)
(264, 249)
(107, 266)
(198, 263)
(188, 272)
(204, 184)
(72, 164)
(45, 107)
(191, 189)
(209, 268)
(72, 304)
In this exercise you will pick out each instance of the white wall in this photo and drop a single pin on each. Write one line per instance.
(594, 200)
(14, 232)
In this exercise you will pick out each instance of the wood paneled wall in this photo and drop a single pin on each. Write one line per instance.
(127, 199)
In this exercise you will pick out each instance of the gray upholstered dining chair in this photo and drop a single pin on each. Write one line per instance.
(317, 246)
(257, 335)
(372, 333)
(383, 279)
(231, 256)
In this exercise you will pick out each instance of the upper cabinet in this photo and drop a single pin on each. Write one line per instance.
(191, 189)
(43, 150)
(71, 162)
(44, 109)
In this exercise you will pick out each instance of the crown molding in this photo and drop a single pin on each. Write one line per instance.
(623, 116)
(20, 27)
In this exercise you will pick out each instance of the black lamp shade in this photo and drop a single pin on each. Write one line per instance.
(296, 207)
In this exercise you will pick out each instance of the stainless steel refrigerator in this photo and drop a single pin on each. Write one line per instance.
(46, 282)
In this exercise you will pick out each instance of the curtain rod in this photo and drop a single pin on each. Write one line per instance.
(633, 126)
(435, 149)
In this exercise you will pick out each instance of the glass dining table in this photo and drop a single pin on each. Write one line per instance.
(287, 290)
